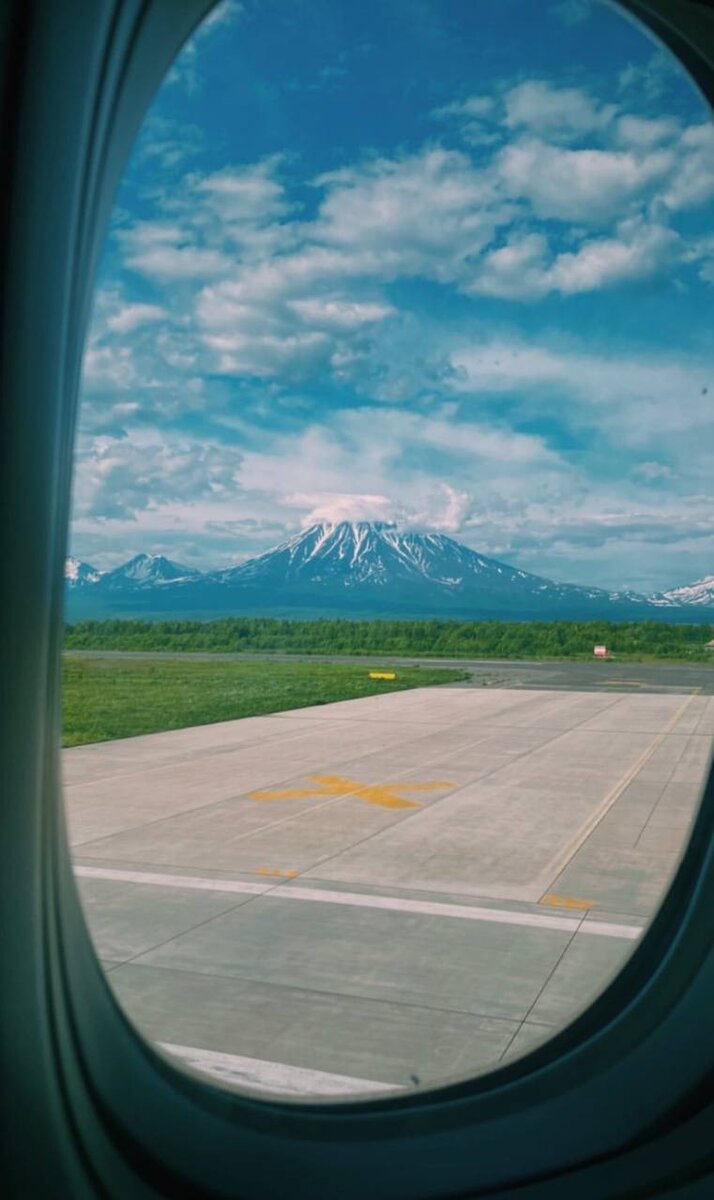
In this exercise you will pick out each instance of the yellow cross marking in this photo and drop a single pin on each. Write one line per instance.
(383, 794)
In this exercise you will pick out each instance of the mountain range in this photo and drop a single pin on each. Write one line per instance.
(365, 569)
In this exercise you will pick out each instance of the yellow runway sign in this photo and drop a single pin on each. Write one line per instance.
(383, 794)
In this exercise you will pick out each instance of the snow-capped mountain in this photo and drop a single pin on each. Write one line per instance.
(376, 557)
(365, 569)
(147, 570)
(79, 574)
(701, 593)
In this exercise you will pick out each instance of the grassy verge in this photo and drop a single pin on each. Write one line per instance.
(107, 698)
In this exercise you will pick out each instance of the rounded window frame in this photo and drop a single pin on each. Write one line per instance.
(194, 1138)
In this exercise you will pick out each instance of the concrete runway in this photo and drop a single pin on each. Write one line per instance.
(386, 892)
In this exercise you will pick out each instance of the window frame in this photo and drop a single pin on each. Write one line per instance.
(88, 1101)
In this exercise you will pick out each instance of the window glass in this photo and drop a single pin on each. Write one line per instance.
(389, 669)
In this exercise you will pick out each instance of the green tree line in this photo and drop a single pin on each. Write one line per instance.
(468, 639)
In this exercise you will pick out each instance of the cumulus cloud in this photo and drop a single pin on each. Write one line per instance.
(108, 368)
(523, 269)
(167, 253)
(119, 478)
(333, 507)
(274, 295)
(476, 118)
(132, 316)
(588, 186)
(555, 112)
(288, 347)
(634, 400)
(446, 510)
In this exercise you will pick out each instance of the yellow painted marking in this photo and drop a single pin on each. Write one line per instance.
(621, 683)
(383, 675)
(382, 794)
(279, 872)
(566, 901)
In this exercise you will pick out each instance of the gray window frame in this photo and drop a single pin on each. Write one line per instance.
(617, 1105)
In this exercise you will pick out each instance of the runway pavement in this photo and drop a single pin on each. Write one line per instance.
(386, 892)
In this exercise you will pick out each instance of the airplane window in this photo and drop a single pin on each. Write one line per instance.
(388, 680)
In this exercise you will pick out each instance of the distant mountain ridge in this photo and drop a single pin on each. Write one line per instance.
(701, 592)
(365, 568)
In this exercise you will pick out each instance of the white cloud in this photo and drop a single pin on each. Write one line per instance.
(446, 510)
(334, 312)
(472, 106)
(635, 401)
(244, 200)
(692, 183)
(108, 368)
(643, 132)
(475, 117)
(523, 270)
(132, 316)
(555, 112)
(649, 81)
(639, 251)
(419, 214)
(121, 478)
(580, 185)
(333, 507)
(168, 252)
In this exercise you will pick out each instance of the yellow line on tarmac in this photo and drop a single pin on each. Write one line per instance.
(566, 901)
(614, 794)
(620, 683)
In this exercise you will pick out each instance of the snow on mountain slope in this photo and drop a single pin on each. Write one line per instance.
(147, 570)
(79, 574)
(376, 556)
(700, 593)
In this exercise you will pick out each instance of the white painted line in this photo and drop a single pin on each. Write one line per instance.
(611, 929)
(273, 1076)
(184, 881)
(432, 908)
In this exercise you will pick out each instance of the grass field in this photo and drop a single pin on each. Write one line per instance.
(106, 698)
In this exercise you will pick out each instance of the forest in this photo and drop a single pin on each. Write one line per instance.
(627, 640)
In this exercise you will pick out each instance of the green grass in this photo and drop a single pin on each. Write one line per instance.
(107, 698)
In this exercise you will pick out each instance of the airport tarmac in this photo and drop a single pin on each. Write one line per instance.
(387, 892)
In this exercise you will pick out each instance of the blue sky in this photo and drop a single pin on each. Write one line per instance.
(441, 262)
